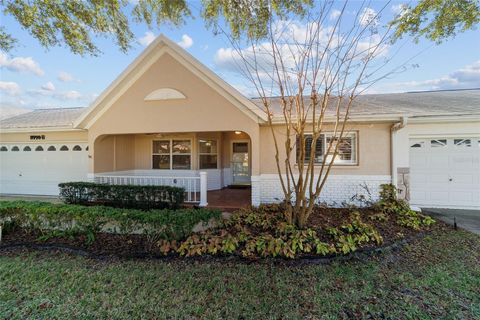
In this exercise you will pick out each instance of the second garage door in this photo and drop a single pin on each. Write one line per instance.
(445, 172)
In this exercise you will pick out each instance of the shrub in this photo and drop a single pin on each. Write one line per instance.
(65, 219)
(122, 196)
(400, 209)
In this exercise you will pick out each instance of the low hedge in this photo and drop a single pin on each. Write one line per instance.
(122, 196)
(53, 219)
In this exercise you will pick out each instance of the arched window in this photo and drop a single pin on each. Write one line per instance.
(15, 148)
(3, 148)
(64, 148)
(51, 148)
(39, 148)
(86, 149)
(77, 148)
(27, 148)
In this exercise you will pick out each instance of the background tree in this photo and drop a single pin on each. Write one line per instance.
(437, 20)
(76, 24)
(308, 74)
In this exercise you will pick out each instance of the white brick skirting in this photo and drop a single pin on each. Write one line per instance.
(266, 188)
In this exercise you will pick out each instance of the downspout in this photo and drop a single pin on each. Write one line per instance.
(393, 150)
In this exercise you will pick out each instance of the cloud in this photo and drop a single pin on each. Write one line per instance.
(10, 88)
(65, 77)
(335, 14)
(20, 64)
(59, 95)
(71, 95)
(467, 77)
(399, 10)
(368, 17)
(48, 86)
(147, 38)
(186, 42)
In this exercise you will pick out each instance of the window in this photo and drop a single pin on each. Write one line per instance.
(77, 148)
(27, 148)
(438, 143)
(51, 148)
(3, 148)
(63, 148)
(172, 154)
(181, 154)
(39, 148)
(15, 148)
(207, 154)
(418, 144)
(462, 142)
(86, 149)
(346, 148)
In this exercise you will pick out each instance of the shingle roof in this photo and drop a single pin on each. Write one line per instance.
(428, 103)
(43, 118)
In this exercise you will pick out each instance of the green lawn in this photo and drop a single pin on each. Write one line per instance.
(436, 277)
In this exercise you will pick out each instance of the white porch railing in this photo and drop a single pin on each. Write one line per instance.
(195, 186)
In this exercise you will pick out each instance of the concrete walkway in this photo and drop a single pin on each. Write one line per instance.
(466, 219)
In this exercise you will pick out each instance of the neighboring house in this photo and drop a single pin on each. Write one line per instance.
(167, 118)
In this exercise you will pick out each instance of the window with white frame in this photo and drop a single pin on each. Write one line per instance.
(207, 154)
(172, 154)
(346, 152)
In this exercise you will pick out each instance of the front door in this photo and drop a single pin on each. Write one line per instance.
(240, 163)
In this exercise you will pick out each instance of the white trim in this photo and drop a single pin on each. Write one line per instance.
(164, 94)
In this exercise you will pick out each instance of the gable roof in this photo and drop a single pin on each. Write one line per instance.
(155, 50)
(410, 104)
(57, 118)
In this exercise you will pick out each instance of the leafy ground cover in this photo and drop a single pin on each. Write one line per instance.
(437, 276)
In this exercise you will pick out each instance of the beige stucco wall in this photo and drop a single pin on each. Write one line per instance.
(53, 137)
(128, 152)
(373, 145)
(203, 110)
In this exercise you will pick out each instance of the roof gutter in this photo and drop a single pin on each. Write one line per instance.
(393, 147)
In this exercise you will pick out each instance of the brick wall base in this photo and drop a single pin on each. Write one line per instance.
(266, 188)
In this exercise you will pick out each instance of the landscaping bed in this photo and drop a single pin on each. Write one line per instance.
(433, 277)
(250, 233)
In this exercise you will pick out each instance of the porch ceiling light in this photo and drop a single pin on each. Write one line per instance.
(238, 132)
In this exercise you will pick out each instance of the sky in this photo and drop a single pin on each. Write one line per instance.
(33, 77)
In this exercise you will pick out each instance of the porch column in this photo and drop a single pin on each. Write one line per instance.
(203, 189)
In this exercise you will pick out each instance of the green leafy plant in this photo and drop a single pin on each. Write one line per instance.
(389, 204)
(55, 220)
(122, 196)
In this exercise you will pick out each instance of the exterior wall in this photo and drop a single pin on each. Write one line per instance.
(373, 150)
(203, 110)
(50, 136)
(345, 181)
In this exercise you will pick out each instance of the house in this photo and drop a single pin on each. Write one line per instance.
(168, 119)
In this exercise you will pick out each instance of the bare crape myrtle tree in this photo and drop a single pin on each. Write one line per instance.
(313, 67)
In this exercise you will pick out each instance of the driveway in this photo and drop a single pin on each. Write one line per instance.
(466, 219)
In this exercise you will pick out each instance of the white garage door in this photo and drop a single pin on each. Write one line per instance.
(37, 169)
(445, 172)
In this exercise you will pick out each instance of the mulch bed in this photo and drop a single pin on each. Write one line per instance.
(108, 245)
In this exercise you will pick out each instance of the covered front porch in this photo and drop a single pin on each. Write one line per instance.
(214, 168)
